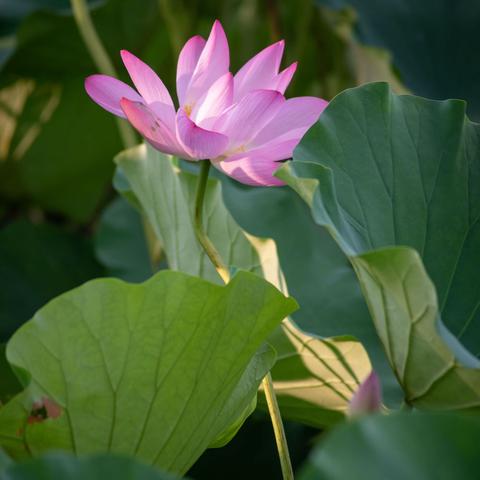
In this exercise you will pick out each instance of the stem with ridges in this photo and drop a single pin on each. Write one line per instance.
(222, 270)
(100, 57)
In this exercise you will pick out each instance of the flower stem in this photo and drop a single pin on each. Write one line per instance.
(202, 237)
(100, 57)
(222, 270)
(278, 429)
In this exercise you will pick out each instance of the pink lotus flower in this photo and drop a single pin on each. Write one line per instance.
(243, 123)
(368, 397)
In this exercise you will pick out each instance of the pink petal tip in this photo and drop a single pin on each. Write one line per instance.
(368, 397)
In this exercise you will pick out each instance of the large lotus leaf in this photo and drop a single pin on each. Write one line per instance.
(436, 373)
(312, 263)
(54, 466)
(400, 167)
(314, 378)
(316, 271)
(142, 369)
(416, 446)
(434, 43)
(391, 170)
(38, 262)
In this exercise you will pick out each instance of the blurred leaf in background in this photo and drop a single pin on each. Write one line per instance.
(56, 146)
(37, 263)
(59, 150)
(120, 243)
(434, 43)
(54, 466)
(417, 446)
(12, 12)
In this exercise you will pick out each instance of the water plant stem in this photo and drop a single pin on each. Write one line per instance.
(101, 59)
(222, 270)
(202, 237)
(279, 431)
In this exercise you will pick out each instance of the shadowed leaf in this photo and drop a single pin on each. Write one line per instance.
(380, 447)
(394, 180)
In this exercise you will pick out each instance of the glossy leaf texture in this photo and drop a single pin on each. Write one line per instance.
(157, 370)
(54, 466)
(392, 180)
(423, 37)
(315, 378)
(379, 447)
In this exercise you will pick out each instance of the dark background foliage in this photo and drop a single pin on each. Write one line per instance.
(60, 221)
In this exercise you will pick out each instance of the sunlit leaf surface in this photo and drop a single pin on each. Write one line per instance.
(157, 370)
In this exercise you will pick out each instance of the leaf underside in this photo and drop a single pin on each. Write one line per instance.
(156, 370)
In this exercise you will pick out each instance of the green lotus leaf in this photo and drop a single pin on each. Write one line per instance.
(157, 370)
(314, 377)
(401, 170)
(379, 447)
(58, 465)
